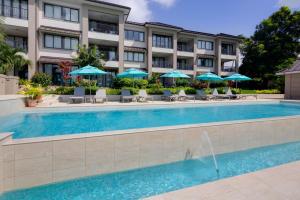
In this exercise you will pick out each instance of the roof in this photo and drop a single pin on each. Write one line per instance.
(292, 70)
(183, 30)
(109, 4)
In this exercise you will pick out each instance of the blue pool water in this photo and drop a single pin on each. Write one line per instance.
(141, 183)
(26, 125)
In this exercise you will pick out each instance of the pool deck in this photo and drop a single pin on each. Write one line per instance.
(277, 183)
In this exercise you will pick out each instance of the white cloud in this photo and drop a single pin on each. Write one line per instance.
(140, 10)
(293, 4)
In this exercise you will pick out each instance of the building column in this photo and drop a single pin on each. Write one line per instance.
(175, 51)
(121, 42)
(218, 51)
(237, 61)
(33, 37)
(195, 56)
(85, 26)
(149, 48)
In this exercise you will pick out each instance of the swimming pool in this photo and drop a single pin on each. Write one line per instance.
(39, 124)
(141, 183)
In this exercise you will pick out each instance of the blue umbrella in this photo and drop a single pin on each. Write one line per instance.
(175, 74)
(237, 77)
(88, 71)
(210, 77)
(132, 73)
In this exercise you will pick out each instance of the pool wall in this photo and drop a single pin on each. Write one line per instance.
(32, 162)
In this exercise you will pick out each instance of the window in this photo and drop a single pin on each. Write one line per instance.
(60, 12)
(162, 41)
(228, 49)
(134, 35)
(205, 45)
(205, 62)
(134, 56)
(103, 27)
(14, 8)
(60, 42)
(16, 42)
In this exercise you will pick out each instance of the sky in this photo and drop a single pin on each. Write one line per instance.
(213, 16)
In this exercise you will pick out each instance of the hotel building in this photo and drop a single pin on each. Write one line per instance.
(50, 32)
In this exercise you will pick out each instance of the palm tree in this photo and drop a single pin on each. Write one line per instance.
(11, 58)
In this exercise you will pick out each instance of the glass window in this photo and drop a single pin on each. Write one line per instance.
(7, 8)
(57, 42)
(74, 15)
(125, 56)
(66, 14)
(16, 8)
(74, 43)
(57, 12)
(130, 56)
(49, 41)
(49, 10)
(141, 37)
(67, 43)
(141, 57)
(136, 57)
(162, 41)
(134, 35)
(24, 9)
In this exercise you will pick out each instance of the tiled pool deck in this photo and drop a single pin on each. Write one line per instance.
(278, 183)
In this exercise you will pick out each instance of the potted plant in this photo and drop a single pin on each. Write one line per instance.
(33, 94)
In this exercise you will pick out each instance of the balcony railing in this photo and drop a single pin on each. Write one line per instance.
(14, 12)
(228, 69)
(228, 52)
(185, 67)
(185, 48)
(103, 27)
(162, 65)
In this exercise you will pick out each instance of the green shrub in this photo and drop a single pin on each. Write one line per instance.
(24, 82)
(140, 83)
(275, 91)
(86, 83)
(182, 82)
(111, 91)
(64, 90)
(42, 79)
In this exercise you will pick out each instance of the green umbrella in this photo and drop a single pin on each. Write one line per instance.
(237, 77)
(132, 73)
(209, 77)
(88, 71)
(175, 74)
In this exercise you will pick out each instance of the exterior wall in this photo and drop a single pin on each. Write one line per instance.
(11, 104)
(36, 19)
(292, 86)
(9, 84)
(32, 162)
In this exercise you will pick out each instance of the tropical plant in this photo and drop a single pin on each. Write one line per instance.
(11, 58)
(32, 92)
(273, 47)
(88, 56)
(42, 79)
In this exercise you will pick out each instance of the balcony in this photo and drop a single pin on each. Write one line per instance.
(185, 48)
(162, 65)
(185, 67)
(228, 69)
(228, 52)
(14, 12)
(103, 27)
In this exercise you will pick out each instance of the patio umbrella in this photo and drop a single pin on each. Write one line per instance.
(88, 71)
(237, 77)
(175, 74)
(209, 77)
(132, 73)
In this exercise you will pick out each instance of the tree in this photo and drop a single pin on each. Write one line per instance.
(273, 47)
(11, 58)
(88, 56)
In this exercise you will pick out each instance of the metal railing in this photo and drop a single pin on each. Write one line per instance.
(14, 12)
(103, 28)
(228, 52)
(185, 67)
(228, 69)
(185, 48)
(162, 65)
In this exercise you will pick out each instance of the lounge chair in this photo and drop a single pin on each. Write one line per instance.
(168, 96)
(79, 95)
(126, 96)
(200, 94)
(100, 95)
(229, 94)
(215, 94)
(183, 97)
(143, 96)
